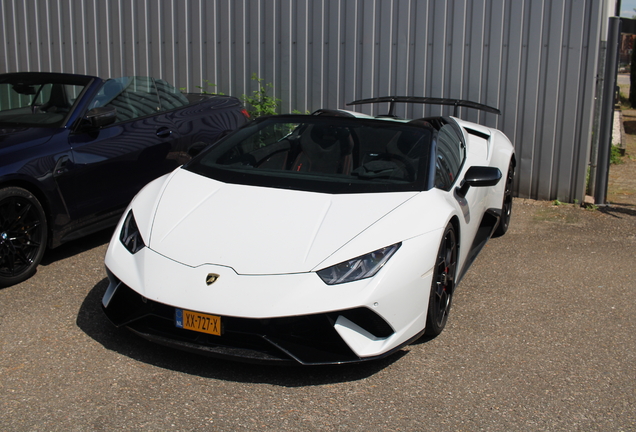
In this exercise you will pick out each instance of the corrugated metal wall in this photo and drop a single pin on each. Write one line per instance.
(534, 59)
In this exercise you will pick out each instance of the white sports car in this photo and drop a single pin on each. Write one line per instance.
(327, 238)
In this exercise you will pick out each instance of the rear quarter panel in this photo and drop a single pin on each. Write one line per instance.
(492, 149)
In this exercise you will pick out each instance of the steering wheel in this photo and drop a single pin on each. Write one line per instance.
(405, 165)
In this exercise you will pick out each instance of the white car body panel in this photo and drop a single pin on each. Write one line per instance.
(281, 231)
(161, 279)
(401, 304)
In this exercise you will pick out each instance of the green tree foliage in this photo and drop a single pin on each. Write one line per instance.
(260, 102)
(206, 87)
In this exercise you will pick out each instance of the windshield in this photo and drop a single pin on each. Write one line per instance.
(322, 154)
(38, 99)
(138, 96)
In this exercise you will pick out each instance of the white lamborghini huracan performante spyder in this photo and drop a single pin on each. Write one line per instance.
(315, 239)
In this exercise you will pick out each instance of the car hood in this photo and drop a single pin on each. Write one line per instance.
(258, 230)
(10, 136)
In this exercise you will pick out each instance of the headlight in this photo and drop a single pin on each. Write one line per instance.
(130, 236)
(358, 268)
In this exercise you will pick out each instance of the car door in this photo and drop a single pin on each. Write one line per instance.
(110, 165)
(451, 163)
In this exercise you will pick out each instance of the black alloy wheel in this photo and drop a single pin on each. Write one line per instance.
(443, 285)
(22, 235)
(506, 206)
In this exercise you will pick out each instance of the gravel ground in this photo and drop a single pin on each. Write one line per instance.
(541, 337)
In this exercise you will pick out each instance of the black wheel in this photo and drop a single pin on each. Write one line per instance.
(443, 285)
(506, 206)
(22, 235)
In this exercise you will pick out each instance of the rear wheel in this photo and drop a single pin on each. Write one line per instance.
(443, 285)
(22, 235)
(506, 207)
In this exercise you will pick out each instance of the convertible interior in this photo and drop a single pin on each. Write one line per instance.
(36, 103)
(365, 149)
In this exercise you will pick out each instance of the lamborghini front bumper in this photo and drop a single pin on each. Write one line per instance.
(307, 339)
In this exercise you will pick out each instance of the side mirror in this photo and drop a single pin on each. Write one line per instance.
(101, 116)
(478, 176)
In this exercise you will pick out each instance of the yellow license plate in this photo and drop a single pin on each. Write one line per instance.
(197, 321)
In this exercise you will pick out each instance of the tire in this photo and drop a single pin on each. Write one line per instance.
(506, 206)
(23, 232)
(444, 273)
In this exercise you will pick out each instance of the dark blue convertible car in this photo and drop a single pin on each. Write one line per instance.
(75, 149)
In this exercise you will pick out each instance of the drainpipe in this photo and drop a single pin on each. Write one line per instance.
(607, 113)
(598, 108)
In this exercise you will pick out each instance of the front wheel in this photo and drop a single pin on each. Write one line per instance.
(23, 234)
(444, 273)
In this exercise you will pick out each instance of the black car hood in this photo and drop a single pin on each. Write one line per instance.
(12, 135)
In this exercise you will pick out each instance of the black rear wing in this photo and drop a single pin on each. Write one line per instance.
(426, 100)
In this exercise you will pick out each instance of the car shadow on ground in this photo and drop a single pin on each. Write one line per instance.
(76, 247)
(618, 210)
(92, 321)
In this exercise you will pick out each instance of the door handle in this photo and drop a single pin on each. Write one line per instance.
(164, 132)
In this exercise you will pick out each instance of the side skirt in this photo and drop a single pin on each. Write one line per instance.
(486, 228)
(80, 230)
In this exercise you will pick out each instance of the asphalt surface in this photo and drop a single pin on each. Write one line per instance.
(541, 337)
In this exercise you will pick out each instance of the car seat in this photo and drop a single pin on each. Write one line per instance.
(325, 149)
(58, 101)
